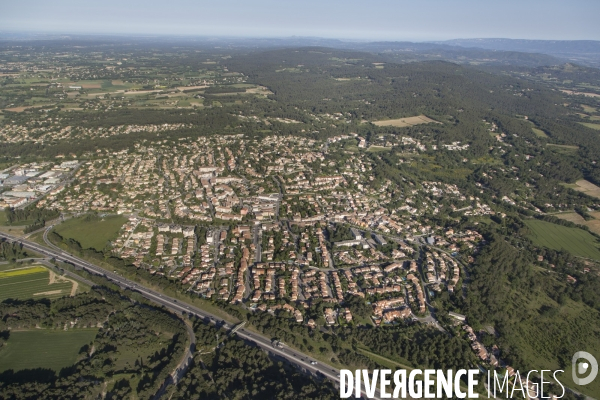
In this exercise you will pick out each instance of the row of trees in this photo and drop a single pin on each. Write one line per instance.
(31, 213)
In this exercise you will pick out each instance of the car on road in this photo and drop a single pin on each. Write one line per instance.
(313, 363)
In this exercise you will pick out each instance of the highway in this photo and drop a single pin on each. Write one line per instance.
(291, 355)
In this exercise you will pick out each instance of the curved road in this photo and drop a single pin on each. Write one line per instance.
(291, 355)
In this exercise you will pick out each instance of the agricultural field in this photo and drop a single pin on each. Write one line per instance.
(591, 126)
(404, 122)
(378, 149)
(563, 148)
(34, 282)
(586, 187)
(94, 233)
(41, 348)
(593, 225)
(182, 91)
(574, 240)
(588, 109)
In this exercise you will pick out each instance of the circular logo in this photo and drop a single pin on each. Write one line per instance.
(580, 368)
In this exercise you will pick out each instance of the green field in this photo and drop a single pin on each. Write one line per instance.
(539, 132)
(378, 149)
(588, 108)
(10, 273)
(91, 234)
(42, 348)
(574, 240)
(31, 283)
(563, 148)
(592, 126)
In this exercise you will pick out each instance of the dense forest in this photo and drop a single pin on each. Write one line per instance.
(532, 310)
(30, 213)
(235, 370)
(11, 251)
(232, 370)
(160, 340)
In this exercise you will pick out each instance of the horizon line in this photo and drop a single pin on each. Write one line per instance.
(141, 35)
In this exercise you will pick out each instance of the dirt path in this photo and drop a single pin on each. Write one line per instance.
(49, 293)
(56, 279)
(74, 288)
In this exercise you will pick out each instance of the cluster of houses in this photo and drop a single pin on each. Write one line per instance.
(441, 269)
(268, 242)
(48, 129)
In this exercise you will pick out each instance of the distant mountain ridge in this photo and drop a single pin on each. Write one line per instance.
(586, 52)
(517, 52)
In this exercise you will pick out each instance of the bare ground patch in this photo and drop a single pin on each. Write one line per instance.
(259, 90)
(53, 278)
(575, 93)
(18, 109)
(182, 88)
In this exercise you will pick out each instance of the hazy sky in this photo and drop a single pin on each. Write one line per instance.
(352, 19)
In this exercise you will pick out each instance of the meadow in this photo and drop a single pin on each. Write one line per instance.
(586, 187)
(378, 149)
(574, 240)
(91, 234)
(563, 148)
(588, 109)
(404, 122)
(591, 126)
(34, 282)
(41, 348)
